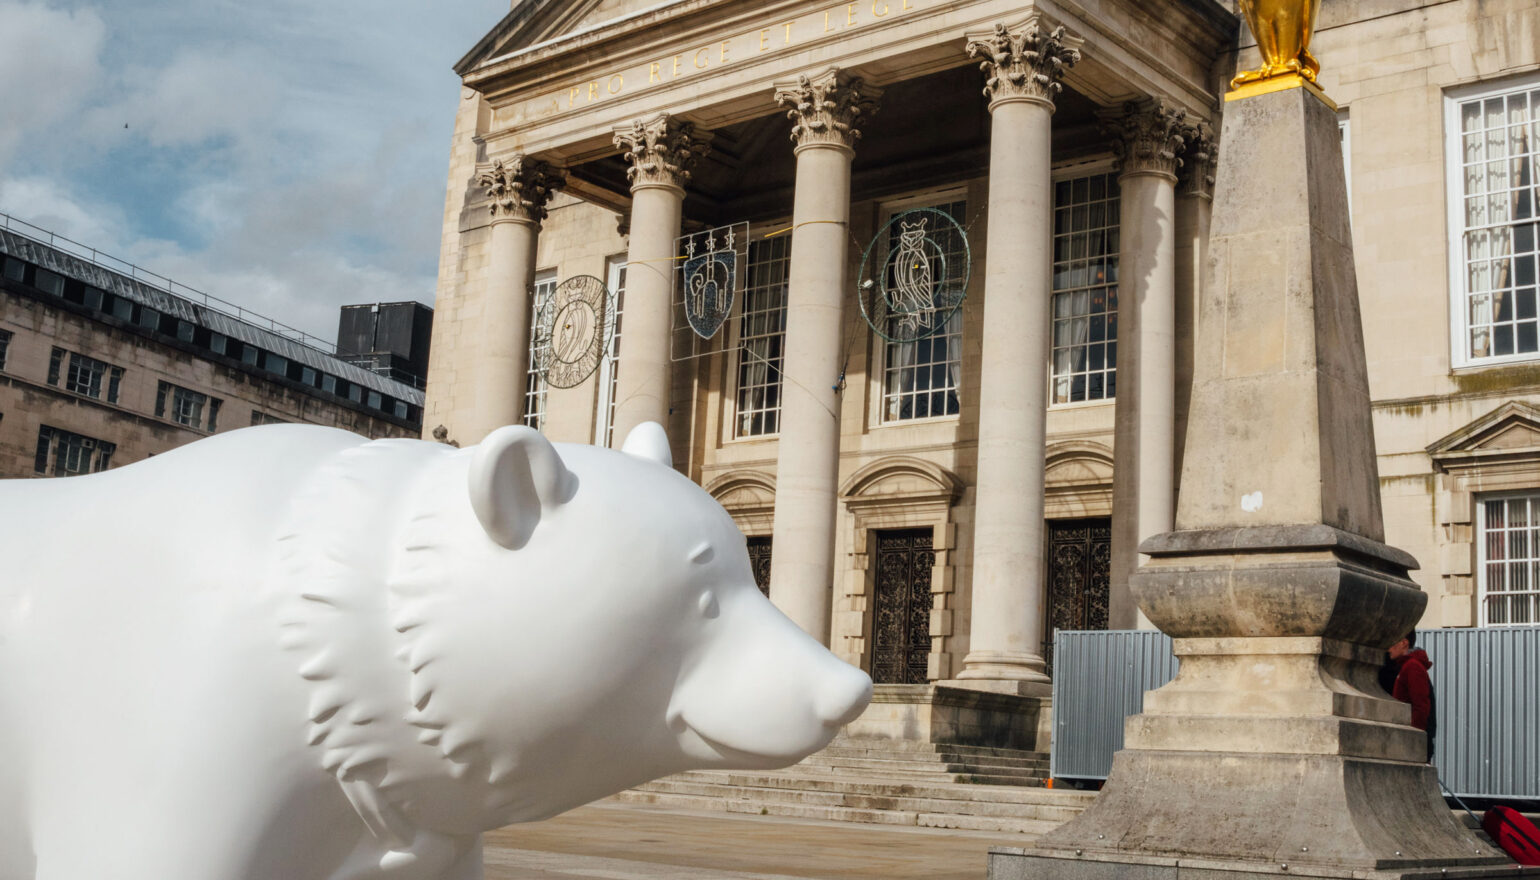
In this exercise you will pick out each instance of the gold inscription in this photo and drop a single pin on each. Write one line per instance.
(850, 15)
(875, 13)
(593, 91)
(616, 83)
(652, 73)
(764, 40)
(726, 45)
(826, 27)
(678, 62)
(572, 96)
(702, 58)
(788, 30)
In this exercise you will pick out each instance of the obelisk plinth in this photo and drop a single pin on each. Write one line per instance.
(1274, 752)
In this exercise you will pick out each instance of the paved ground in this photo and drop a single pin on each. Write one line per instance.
(622, 842)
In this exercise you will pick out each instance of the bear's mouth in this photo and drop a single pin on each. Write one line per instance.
(729, 756)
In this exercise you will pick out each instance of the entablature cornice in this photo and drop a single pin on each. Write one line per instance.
(562, 97)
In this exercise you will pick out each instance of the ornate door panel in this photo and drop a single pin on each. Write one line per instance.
(759, 560)
(901, 624)
(1079, 574)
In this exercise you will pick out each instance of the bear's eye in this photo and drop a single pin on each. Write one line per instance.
(708, 605)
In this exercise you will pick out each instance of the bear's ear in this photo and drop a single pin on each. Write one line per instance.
(649, 441)
(515, 475)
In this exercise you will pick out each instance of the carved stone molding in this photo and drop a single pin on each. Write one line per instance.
(661, 151)
(1199, 163)
(825, 109)
(1025, 64)
(520, 187)
(1148, 137)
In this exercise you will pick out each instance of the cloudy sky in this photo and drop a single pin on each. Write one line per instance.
(286, 155)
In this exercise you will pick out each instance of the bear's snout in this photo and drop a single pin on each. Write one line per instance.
(843, 695)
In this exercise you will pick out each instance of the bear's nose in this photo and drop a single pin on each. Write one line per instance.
(843, 694)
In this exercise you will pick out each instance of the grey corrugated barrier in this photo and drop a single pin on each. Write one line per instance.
(1099, 678)
(1487, 683)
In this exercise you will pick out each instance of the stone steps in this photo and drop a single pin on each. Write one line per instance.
(888, 783)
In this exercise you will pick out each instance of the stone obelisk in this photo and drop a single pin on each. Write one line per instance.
(1274, 752)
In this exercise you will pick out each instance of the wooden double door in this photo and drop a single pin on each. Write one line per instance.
(1079, 573)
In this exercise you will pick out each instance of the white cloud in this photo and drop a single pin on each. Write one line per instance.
(286, 155)
(48, 61)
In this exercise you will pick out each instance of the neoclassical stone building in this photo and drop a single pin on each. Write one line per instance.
(936, 508)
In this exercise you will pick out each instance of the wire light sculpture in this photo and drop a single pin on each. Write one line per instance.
(909, 288)
(572, 331)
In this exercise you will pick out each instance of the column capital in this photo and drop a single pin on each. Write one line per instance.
(662, 151)
(520, 187)
(1148, 137)
(1026, 63)
(1200, 163)
(824, 109)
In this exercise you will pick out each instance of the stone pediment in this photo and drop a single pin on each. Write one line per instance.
(1511, 430)
(536, 21)
(743, 491)
(899, 480)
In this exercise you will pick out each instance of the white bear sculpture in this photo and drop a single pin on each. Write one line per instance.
(289, 653)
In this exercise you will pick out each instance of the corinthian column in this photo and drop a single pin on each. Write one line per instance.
(1022, 70)
(1194, 207)
(519, 188)
(1147, 138)
(661, 152)
(824, 111)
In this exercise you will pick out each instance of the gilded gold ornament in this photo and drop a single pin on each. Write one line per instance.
(1283, 29)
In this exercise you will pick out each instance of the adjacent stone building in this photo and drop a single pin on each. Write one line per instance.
(936, 508)
(103, 365)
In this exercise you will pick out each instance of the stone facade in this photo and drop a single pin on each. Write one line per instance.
(97, 381)
(1449, 434)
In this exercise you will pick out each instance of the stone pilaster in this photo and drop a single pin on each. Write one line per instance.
(661, 153)
(1194, 208)
(824, 111)
(1148, 139)
(1022, 70)
(519, 188)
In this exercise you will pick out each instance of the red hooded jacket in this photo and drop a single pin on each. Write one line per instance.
(1413, 686)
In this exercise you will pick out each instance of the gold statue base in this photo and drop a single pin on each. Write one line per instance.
(1278, 84)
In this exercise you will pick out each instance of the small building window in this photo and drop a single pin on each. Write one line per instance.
(186, 407)
(922, 378)
(258, 417)
(48, 282)
(276, 363)
(535, 386)
(86, 376)
(122, 309)
(1508, 559)
(376, 401)
(5, 346)
(15, 270)
(1085, 288)
(1494, 172)
(762, 337)
(65, 454)
(328, 383)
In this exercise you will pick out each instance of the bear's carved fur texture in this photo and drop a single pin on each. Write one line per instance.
(289, 652)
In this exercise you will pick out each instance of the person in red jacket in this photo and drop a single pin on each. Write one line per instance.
(1413, 686)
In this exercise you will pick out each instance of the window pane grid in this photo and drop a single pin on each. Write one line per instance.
(612, 357)
(1500, 172)
(921, 379)
(1510, 561)
(761, 337)
(5, 344)
(1085, 288)
(534, 383)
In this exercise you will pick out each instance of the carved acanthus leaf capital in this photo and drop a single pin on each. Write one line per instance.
(661, 151)
(1200, 162)
(1148, 137)
(520, 187)
(825, 109)
(1027, 63)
